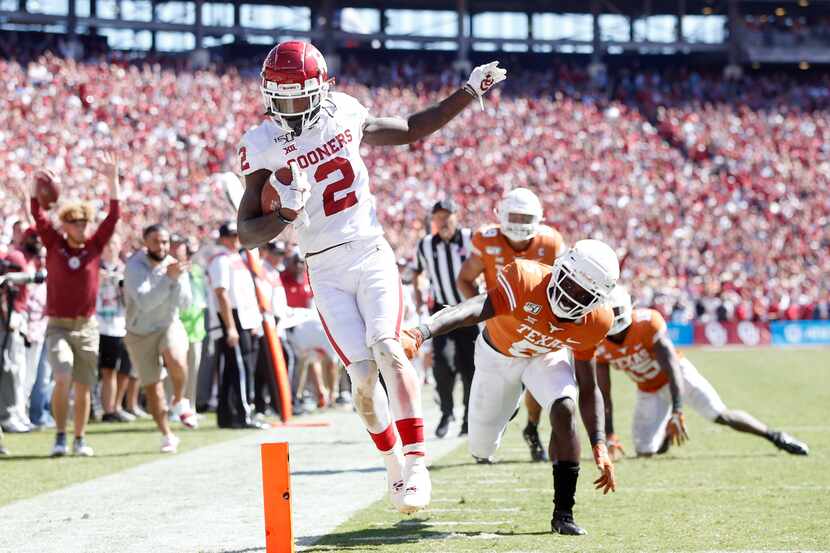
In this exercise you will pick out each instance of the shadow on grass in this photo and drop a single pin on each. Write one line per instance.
(471, 462)
(330, 472)
(6, 459)
(406, 531)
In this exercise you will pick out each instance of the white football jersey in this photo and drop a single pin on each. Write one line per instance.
(341, 207)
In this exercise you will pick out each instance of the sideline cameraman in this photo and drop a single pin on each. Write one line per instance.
(13, 299)
(72, 259)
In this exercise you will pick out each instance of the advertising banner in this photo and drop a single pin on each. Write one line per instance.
(744, 333)
(791, 333)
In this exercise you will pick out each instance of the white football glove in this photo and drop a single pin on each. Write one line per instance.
(483, 78)
(295, 195)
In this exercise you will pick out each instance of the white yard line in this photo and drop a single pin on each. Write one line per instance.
(210, 500)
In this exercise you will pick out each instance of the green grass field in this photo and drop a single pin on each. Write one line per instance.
(30, 471)
(722, 491)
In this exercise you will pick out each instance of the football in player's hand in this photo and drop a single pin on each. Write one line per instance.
(269, 199)
(46, 189)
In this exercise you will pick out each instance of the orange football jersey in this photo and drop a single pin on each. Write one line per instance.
(635, 355)
(525, 326)
(496, 253)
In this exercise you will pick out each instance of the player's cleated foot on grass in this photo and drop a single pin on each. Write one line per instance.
(394, 478)
(784, 441)
(563, 523)
(531, 436)
(169, 443)
(417, 490)
(485, 460)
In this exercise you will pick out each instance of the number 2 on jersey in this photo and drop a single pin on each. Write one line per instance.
(332, 205)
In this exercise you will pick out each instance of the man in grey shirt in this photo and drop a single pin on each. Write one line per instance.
(155, 288)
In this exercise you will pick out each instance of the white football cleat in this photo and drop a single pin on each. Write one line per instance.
(417, 490)
(394, 477)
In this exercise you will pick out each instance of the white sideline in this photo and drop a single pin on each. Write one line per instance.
(210, 500)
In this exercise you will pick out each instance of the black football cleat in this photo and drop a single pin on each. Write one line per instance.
(784, 441)
(564, 524)
(531, 436)
(484, 460)
(444, 425)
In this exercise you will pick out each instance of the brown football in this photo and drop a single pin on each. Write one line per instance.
(269, 198)
(46, 189)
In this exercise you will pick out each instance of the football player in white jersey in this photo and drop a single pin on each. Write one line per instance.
(357, 290)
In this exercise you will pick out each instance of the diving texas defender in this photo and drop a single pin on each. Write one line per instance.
(638, 344)
(352, 269)
(536, 315)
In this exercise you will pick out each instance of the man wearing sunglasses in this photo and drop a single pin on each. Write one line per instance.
(73, 256)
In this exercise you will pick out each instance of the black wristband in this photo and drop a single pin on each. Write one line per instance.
(676, 404)
(597, 437)
(424, 330)
(283, 219)
(470, 90)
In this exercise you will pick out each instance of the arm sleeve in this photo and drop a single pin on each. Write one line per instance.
(503, 295)
(139, 287)
(48, 235)
(107, 227)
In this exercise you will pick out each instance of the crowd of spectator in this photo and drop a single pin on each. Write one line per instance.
(716, 192)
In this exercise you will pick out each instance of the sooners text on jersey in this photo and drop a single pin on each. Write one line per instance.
(341, 207)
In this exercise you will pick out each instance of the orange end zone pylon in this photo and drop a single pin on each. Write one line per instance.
(276, 491)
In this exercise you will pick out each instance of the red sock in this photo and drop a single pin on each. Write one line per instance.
(385, 440)
(412, 435)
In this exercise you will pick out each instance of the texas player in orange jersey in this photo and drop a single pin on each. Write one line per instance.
(520, 235)
(536, 315)
(639, 345)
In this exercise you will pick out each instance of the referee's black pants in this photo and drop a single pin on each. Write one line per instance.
(453, 354)
(236, 377)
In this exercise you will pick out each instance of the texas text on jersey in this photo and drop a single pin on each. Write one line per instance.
(341, 207)
(496, 252)
(635, 355)
(525, 326)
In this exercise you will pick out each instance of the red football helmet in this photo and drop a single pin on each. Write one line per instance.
(295, 81)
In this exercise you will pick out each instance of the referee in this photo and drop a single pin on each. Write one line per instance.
(441, 256)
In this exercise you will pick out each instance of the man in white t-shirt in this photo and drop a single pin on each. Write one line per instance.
(236, 312)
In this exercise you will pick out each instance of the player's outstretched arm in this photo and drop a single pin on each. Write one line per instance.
(670, 364)
(615, 449)
(467, 313)
(591, 409)
(591, 406)
(395, 131)
(256, 229)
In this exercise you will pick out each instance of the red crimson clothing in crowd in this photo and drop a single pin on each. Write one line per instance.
(72, 284)
(297, 292)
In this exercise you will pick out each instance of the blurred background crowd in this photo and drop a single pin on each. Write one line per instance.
(715, 192)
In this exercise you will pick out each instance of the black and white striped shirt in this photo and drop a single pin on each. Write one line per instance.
(442, 261)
